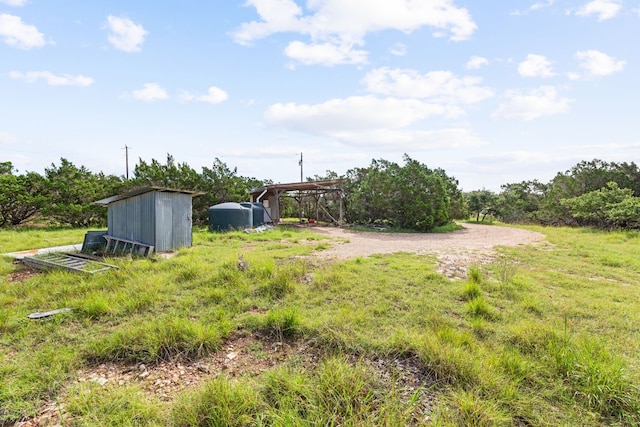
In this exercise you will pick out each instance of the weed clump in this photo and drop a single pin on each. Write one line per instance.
(218, 403)
(282, 323)
(471, 291)
(156, 340)
(475, 274)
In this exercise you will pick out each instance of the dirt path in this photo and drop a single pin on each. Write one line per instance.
(455, 251)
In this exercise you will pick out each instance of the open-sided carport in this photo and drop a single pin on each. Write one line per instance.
(270, 195)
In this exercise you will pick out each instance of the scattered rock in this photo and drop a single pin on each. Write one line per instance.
(100, 381)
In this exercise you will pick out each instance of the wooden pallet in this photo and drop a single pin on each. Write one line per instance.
(71, 262)
(118, 246)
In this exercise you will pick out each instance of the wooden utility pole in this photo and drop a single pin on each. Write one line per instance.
(300, 163)
(126, 156)
(300, 192)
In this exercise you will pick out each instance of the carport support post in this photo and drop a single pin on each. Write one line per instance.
(276, 214)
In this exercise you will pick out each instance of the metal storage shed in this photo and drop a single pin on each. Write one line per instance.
(155, 216)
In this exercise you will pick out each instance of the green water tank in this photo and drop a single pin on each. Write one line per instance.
(230, 216)
(257, 212)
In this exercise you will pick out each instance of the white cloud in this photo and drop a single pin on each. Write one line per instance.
(345, 23)
(398, 49)
(367, 121)
(535, 103)
(476, 62)
(52, 79)
(535, 66)
(125, 34)
(534, 7)
(597, 64)
(149, 92)
(568, 154)
(413, 140)
(542, 4)
(520, 157)
(372, 122)
(18, 34)
(14, 3)
(214, 96)
(604, 9)
(437, 86)
(338, 117)
(328, 54)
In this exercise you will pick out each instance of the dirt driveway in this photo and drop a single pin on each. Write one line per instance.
(455, 251)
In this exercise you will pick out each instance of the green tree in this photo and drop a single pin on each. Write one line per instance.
(219, 183)
(21, 196)
(457, 205)
(520, 202)
(73, 190)
(369, 191)
(179, 176)
(608, 207)
(422, 200)
(222, 184)
(584, 177)
(410, 196)
(6, 168)
(481, 203)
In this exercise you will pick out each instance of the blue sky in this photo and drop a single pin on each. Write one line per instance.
(493, 92)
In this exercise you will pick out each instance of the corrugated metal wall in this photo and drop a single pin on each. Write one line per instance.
(182, 220)
(133, 218)
(161, 219)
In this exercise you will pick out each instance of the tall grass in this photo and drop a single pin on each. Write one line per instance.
(88, 404)
(553, 342)
(156, 340)
(336, 392)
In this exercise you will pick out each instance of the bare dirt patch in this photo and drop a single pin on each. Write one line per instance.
(455, 251)
(21, 274)
(241, 355)
(246, 355)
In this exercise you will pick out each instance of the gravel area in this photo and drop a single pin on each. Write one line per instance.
(455, 251)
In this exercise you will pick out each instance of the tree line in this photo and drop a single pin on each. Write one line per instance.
(408, 196)
(66, 193)
(592, 193)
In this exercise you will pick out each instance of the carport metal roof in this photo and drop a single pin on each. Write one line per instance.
(301, 189)
(323, 186)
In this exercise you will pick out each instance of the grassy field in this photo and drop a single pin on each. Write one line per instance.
(544, 336)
